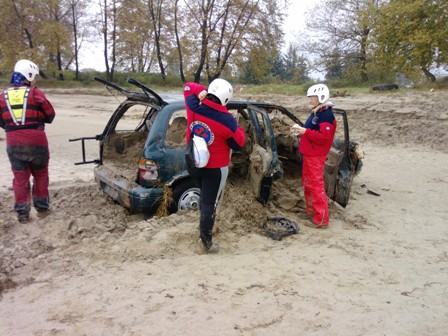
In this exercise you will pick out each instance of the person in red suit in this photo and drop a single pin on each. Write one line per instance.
(207, 116)
(316, 138)
(24, 111)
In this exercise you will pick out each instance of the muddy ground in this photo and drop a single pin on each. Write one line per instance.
(90, 268)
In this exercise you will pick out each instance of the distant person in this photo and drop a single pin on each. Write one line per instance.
(24, 110)
(208, 117)
(316, 138)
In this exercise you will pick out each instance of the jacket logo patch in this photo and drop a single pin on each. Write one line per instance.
(315, 120)
(203, 130)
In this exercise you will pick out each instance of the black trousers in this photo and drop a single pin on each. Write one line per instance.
(211, 181)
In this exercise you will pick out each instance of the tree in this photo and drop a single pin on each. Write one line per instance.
(205, 14)
(79, 29)
(295, 66)
(259, 57)
(19, 34)
(37, 30)
(178, 44)
(156, 14)
(334, 66)
(345, 26)
(55, 29)
(224, 33)
(412, 33)
(135, 43)
(109, 14)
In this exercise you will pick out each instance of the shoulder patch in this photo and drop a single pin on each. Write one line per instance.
(187, 88)
(203, 130)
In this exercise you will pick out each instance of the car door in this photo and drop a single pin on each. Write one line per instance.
(264, 164)
(166, 143)
(340, 167)
(137, 111)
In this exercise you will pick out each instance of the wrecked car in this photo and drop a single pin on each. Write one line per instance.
(141, 152)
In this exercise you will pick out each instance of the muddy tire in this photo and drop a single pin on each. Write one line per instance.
(385, 87)
(186, 196)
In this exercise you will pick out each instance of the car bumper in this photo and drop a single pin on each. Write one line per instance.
(129, 194)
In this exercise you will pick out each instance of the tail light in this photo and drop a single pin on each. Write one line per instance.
(148, 170)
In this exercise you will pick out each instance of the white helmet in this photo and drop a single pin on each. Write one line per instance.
(222, 89)
(27, 68)
(319, 90)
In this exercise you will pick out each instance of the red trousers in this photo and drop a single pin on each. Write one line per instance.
(27, 161)
(314, 189)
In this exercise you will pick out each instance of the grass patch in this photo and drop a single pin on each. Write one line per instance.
(285, 89)
(66, 80)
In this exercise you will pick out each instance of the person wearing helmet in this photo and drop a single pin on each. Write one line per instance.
(24, 110)
(316, 138)
(207, 116)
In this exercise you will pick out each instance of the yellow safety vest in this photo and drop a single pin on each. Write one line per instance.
(16, 100)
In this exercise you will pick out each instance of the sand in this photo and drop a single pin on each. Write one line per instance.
(90, 268)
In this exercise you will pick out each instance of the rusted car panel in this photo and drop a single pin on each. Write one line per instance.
(138, 199)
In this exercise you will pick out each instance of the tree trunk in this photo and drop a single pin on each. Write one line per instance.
(179, 49)
(204, 43)
(106, 56)
(156, 20)
(429, 75)
(363, 54)
(114, 40)
(75, 37)
(27, 32)
(59, 59)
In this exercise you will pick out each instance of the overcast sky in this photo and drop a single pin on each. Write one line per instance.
(296, 17)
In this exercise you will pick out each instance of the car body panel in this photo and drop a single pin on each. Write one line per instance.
(134, 197)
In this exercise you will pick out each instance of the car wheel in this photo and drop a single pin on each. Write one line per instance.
(186, 196)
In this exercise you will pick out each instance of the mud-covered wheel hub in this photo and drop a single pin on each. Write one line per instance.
(186, 196)
(189, 199)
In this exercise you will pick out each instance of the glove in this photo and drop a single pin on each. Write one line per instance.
(295, 129)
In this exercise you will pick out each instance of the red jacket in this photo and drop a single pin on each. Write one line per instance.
(38, 112)
(318, 138)
(215, 124)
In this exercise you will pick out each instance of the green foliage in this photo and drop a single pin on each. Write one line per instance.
(412, 34)
(274, 67)
(247, 76)
(155, 82)
(300, 90)
(286, 89)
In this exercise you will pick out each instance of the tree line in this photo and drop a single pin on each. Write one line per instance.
(356, 41)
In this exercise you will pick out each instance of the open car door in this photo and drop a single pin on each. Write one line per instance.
(264, 164)
(339, 169)
(146, 97)
(343, 162)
